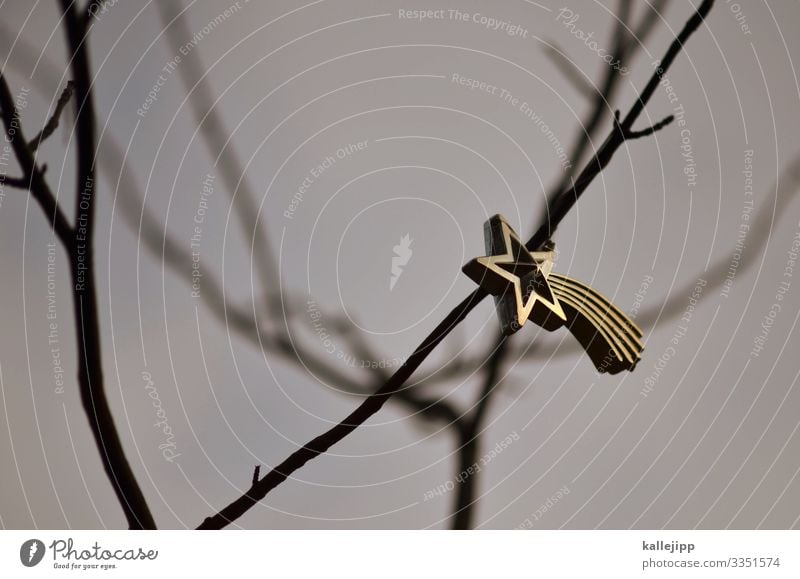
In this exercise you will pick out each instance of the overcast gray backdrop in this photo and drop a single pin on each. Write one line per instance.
(712, 441)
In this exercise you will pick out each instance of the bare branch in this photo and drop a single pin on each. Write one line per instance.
(624, 49)
(17, 182)
(631, 135)
(368, 407)
(90, 373)
(79, 248)
(52, 123)
(33, 179)
(567, 199)
(603, 94)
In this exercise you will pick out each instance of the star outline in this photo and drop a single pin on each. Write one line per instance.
(543, 262)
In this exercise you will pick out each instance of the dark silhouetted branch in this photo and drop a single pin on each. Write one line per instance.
(52, 123)
(90, 373)
(624, 49)
(368, 407)
(602, 95)
(85, 303)
(33, 179)
(567, 199)
(631, 135)
(18, 182)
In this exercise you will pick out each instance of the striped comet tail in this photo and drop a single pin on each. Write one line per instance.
(524, 287)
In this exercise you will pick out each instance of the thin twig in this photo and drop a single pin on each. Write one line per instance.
(632, 135)
(603, 95)
(567, 199)
(33, 178)
(17, 182)
(90, 374)
(375, 402)
(52, 123)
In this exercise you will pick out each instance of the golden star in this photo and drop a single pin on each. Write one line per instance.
(512, 268)
(525, 287)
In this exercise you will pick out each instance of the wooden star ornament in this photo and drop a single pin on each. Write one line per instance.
(525, 288)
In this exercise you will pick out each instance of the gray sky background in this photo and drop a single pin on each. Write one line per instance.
(712, 444)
